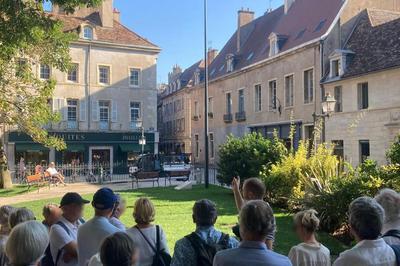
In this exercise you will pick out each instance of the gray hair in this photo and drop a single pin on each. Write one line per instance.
(366, 218)
(19, 216)
(27, 243)
(390, 201)
(257, 217)
(205, 212)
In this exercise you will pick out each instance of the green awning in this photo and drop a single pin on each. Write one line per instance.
(76, 147)
(130, 147)
(30, 147)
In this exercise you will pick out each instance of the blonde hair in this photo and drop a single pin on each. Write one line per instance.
(144, 211)
(308, 220)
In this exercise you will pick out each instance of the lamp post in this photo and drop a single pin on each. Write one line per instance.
(206, 173)
(328, 106)
(142, 140)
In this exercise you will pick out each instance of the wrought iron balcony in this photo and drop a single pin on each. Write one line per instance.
(228, 118)
(240, 116)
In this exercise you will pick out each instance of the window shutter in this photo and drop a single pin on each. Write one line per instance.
(114, 112)
(82, 110)
(54, 103)
(95, 110)
(359, 96)
(63, 109)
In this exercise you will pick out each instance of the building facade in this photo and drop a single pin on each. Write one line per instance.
(106, 100)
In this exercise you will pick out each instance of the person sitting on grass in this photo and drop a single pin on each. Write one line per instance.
(54, 174)
(253, 189)
(366, 220)
(390, 202)
(51, 214)
(199, 248)
(310, 252)
(119, 209)
(256, 223)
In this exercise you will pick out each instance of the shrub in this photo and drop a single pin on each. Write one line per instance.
(393, 154)
(246, 157)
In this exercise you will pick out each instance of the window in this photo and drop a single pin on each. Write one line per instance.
(21, 67)
(241, 101)
(289, 91)
(210, 105)
(196, 108)
(338, 148)
(88, 33)
(197, 77)
(272, 95)
(363, 96)
(104, 111)
(196, 145)
(338, 98)
(308, 86)
(211, 139)
(72, 110)
(72, 74)
(104, 74)
(364, 150)
(229, 63)
(228, 103)
(44, 71)
(134, 74)
(257, 98)
(335, 68)
(135, 110)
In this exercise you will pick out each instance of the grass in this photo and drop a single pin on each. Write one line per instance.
(16, 190)
(174, 210)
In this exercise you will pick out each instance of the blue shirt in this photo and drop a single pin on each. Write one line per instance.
(184, 253)
(252, 254)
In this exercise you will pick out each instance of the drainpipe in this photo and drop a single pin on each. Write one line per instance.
(88, 104)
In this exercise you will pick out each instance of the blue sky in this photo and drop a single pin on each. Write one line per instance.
(177, 26)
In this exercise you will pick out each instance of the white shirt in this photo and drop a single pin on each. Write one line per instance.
(310, 255)
(390, 240)
(117, 223)
(52, 171)
(90, 237)
(59, 238)
(368, 253)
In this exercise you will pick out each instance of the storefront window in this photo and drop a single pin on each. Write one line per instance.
(73, 158)
(32, 157)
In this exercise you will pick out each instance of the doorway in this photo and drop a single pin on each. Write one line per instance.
(101, 157)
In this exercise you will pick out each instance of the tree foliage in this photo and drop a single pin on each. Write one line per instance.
(29, 36)
(393, 154)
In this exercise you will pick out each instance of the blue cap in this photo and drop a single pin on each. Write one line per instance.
(104, 199)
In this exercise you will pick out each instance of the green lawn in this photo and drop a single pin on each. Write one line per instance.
(173, 213)
(16, 190)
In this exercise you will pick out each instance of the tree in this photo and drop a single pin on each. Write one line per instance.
(246, 157)
(29, 37)
(393, 154)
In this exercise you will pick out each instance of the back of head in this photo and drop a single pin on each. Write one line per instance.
(255, 188)
(308, 220)
(49, 209)
(390, 201)
(204, 212)
(117, 249)
(366, 218)
(5, 212)
(19, 216)
(144, 211)
(256, 220)
(27, 243)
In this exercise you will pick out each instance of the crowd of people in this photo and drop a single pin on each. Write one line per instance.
(64, 238)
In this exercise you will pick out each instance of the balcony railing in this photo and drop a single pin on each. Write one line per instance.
(104, 125)
(240, 116)
(228, 118)
(210, 114)
(72, 125)
(196, 118)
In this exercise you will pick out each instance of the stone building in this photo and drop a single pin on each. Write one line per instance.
(105, 100)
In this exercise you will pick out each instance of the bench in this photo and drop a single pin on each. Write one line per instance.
(179, 175)
(152, 176)
(35, 179)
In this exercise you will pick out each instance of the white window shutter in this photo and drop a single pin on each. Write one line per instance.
(95, 110)
(54, 103)
(82, 110)
(114, 112)
(63, 109)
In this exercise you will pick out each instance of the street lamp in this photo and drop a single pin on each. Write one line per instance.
(328, 106)
(142, 139)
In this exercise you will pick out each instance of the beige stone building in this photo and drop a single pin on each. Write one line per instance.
(105, 99)
(268, 74)
(364, 78)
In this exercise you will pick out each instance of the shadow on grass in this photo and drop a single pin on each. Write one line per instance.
(16, 190)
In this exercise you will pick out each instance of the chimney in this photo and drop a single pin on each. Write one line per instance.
(107, 14)
(244, 18)
(117, 15)
(212, 54)
(288, 4)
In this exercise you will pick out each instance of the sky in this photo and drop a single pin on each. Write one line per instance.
(176, 26)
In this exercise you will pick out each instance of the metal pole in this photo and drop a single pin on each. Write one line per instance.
(206, 173)
(142, 140)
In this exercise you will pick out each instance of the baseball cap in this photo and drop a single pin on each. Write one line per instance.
(72, 198)
(104, 199)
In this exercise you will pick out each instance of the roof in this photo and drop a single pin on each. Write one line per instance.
(375, 43)
(118, 34)
(305, 21)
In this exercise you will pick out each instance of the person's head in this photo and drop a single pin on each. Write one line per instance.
(143, 211)
(118, 249)
(306, 223)
(51, 213)
(19, 216)
(366, 218)
(256, 221)
(72, 205)
(120, 207)
(253, 189)
(27, 243)
(204, 213)
(103, 202)
(5, 212)
(52, 165)
(390, 202)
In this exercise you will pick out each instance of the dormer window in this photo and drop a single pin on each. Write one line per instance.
(229, 63)
(88, 33)
(339, 59)
(197, 77)
(273, 45)
(335, 68)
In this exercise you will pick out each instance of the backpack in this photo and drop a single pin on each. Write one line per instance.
(161, 257)
(392, 233)
(47, 259)
(205, 252)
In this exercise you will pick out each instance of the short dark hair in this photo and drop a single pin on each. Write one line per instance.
(117, 249)
(204, 212)
(256, 187)
(257, 218)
